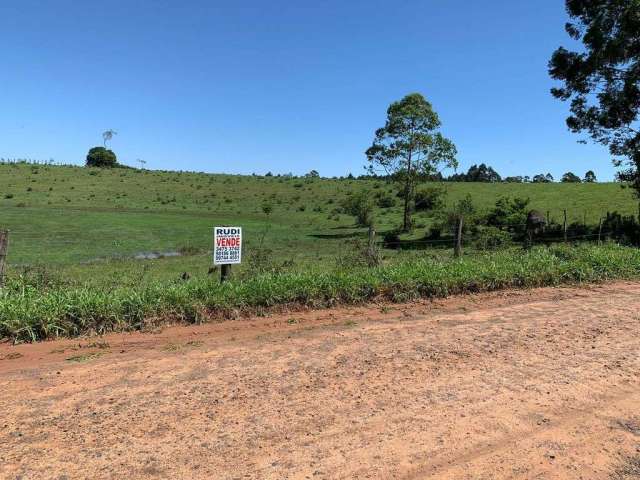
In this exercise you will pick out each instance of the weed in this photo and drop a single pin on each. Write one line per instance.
(29, 314)
(85, 357)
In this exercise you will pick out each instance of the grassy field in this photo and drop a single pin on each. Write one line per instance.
(89, 225)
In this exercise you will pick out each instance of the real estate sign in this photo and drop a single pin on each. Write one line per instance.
(227, 245)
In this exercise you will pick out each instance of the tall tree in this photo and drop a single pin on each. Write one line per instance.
(570, 177)
(107, 135)
(603, 80)
(590, 177)
(482, 173)
(410, 146)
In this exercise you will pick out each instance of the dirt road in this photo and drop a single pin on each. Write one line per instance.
(538, 385)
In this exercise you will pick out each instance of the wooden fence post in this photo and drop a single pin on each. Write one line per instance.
(373, 258)
(457, 250)
(600, 232)
(4, 247)
(225, 272)
(564, 227)
(372, 239)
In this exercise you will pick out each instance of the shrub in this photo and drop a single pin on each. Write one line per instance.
(391, 239)
(358, 254)
(429, 199)
(510, 213)
(101, 157)
(384, 200)
(491, 238)
(464, 208)
(360, 206)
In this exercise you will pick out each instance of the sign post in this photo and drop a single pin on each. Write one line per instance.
(227, 249)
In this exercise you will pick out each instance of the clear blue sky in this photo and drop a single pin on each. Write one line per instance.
(282, 86)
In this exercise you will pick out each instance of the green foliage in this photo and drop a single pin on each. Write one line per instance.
(491, 238)
(360, 205)
(509, 213)
(516, 179)
(477, 173)
(448, 219)
(602, 79)
(384, 200)
(29, 314)
(90, 228)
(590, 177)
(570, 177)
(542, 178)
(430, 199)
(410, 145)
(101, 157)
(357, 255)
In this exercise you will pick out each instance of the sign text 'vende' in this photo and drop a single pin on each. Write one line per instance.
(227, 245)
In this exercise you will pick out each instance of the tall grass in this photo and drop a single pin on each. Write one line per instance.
(30, 312)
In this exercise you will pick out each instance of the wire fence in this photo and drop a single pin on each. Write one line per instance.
(77, 245)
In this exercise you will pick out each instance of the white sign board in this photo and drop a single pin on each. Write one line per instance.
(227, 245)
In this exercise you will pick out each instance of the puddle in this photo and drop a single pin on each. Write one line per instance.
(154, 255)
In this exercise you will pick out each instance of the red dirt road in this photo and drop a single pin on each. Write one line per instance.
(538, 385)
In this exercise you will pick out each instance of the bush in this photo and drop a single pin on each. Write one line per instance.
(391, 239)
(463, 207)
(360, 206)
(384, 200)
(429, 199)
(357, 255)
(102, 158)
(491, 238)
(510, 213)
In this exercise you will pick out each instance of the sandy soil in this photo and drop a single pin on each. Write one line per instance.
(539, 385)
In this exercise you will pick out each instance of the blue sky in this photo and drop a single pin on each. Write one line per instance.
(282, 86)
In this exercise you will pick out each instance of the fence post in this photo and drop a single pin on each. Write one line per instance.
(564, 227)
(372, 255)
(225, 272)
(600, 232)
(548, 217)
(4, 246)
(372, 238)
(457, 250)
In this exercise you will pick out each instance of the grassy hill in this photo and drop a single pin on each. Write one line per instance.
(90, 224)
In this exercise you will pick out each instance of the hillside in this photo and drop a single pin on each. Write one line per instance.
(90, 223)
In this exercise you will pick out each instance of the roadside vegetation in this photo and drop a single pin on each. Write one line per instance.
(32, 309)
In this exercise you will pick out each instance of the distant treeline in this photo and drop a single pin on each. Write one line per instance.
(485, 174)
(477, 173)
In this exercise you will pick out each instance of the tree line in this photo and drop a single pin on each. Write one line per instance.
(486, 174)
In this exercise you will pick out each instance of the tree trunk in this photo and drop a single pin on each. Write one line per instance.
(408, 191)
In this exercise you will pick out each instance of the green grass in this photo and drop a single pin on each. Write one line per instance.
(86, 225)
(29, 313)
